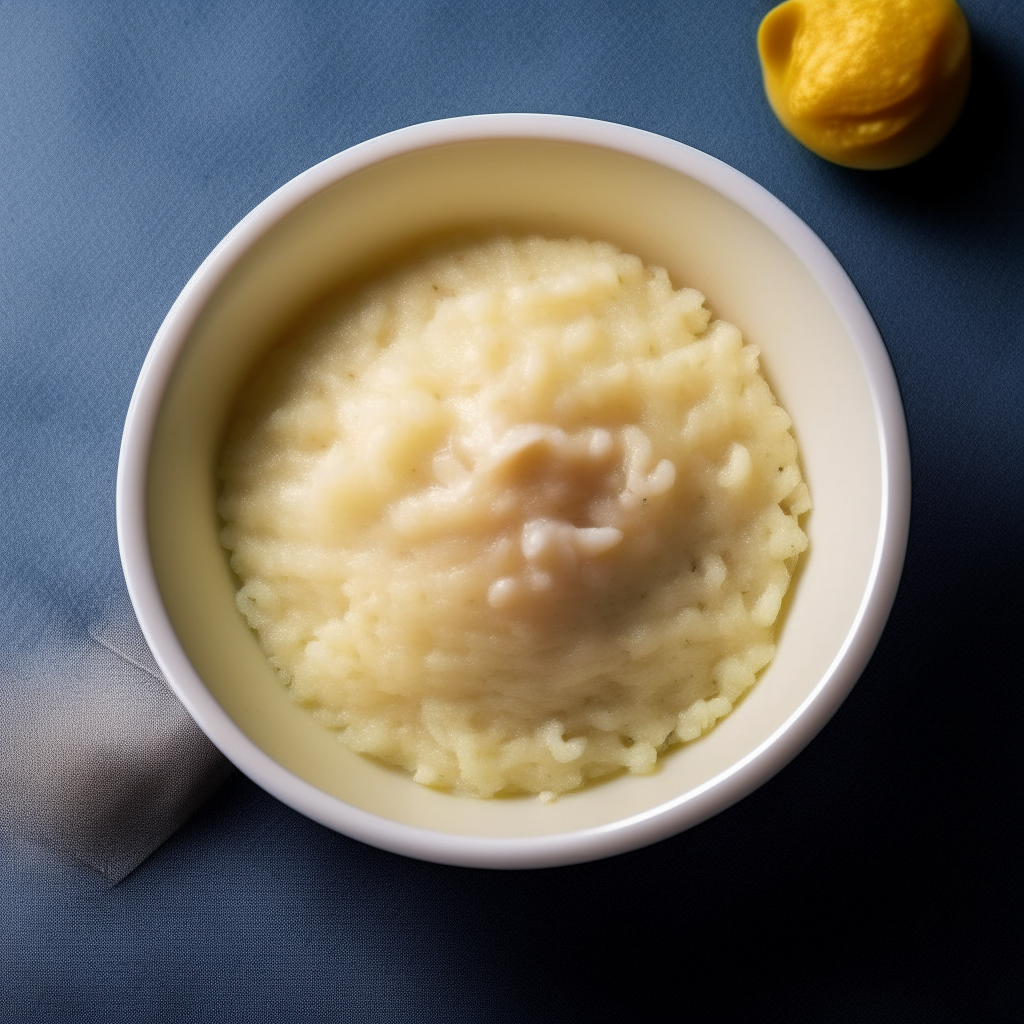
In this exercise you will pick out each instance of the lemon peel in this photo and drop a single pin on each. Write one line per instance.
(866, 83)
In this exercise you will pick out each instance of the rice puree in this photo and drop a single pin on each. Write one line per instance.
(515, 516)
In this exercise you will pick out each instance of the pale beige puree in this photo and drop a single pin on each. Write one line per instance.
(515, 516)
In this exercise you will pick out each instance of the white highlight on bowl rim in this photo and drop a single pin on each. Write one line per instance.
(675, 815)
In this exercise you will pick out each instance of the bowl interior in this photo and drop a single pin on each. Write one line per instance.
(706, 241)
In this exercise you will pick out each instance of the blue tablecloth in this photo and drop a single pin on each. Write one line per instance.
(876, 878)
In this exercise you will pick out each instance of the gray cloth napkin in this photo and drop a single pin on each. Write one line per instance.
(100, 762)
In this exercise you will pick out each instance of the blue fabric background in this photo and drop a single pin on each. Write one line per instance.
(875, 879)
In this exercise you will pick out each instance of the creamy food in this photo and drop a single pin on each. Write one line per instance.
(515, 516)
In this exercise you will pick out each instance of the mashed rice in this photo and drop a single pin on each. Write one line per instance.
(514, 517)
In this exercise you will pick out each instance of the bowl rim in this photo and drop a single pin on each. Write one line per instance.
(653, 824)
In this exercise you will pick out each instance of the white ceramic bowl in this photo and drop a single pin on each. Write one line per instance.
(714, 229)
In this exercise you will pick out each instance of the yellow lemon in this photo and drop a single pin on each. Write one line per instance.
(866, 83)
